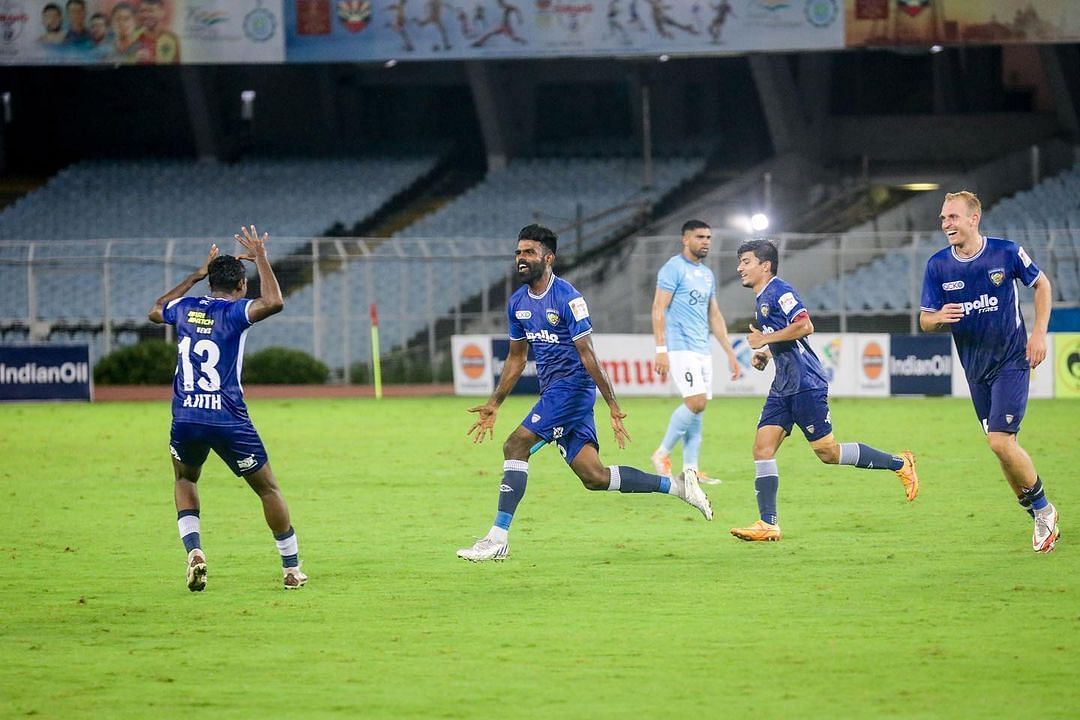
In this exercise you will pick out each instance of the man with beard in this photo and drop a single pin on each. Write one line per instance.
(158, 44)
(684, 310)
(551, 315)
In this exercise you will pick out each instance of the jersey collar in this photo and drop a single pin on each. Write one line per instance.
(973, 257)
(542, 295)
(766, 286)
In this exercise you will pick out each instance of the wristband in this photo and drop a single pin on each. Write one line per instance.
(661, 349)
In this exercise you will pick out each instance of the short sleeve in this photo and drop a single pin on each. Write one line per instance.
(516, 331)
(668, 277)
(576, 315)
(1024, 268)
(238, 313)
(169, 313)
(790, 304)
(932, 298)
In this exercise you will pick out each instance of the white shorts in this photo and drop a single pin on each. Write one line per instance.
(691, 372)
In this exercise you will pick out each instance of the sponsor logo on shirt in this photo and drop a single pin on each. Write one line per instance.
(579, 308)
(523, 314)
(1024, 257)
(542, 336)
(984, 304)
(787, 302)
(954, 285)
(997, 276)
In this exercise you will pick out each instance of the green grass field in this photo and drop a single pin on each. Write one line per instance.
(610, 606)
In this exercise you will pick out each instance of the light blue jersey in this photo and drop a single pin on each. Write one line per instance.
(692, 286)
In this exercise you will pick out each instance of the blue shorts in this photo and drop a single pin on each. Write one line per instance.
(1000, 404)
(565, 416)
(808, 409)
(238, 445)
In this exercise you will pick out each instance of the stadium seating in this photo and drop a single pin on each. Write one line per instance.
(1045, 219)
(478, 226)
(160, 199)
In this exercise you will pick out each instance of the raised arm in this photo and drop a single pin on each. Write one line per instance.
(596, 372)
(156, 313)
(270, 301)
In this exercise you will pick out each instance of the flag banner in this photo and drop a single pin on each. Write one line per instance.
(361, 30)
(140, 32)
(875, 23)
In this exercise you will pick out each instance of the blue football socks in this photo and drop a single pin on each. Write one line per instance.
(1035, 495)
(766, 484)
(627, 479)
(692, 443)
(511, 490)
(187, 521)
(864, 456)
(677, 427)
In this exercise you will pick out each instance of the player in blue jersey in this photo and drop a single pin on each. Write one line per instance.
(549, 314)
(970, 290)
(208, 400)
(799, 393)
(684, 309)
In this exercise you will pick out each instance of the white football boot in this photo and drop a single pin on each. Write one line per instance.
(485, 549)
(196, 570)
(1046, 533)
(293, 578)
(694, 495)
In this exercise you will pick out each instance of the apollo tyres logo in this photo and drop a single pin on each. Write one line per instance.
(472, 361)
(983, 304)
(873, 361)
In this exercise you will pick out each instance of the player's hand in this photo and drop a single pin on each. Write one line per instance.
(949, 313)
(1036, 349)
(205, 269)
(756, 338)
(733, 366)
(253, 244)
(662, 365)
(484, 427)
(760, 360)
(621, 436)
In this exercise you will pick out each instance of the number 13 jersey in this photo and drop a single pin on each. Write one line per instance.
(210, 332)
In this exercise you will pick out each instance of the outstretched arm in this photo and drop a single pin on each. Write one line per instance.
(269, 301)
(156, 312)
(596, 372)
(484, 427)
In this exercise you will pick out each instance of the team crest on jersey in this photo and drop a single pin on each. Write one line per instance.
(997, 276)
(810, 429)
(764, 310)
(1009, 419)
(552, 316)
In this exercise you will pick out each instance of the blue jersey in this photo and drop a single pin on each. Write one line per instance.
(551, 322)
(211, 333)
(687, 317)
(797, 366)
(990, 337)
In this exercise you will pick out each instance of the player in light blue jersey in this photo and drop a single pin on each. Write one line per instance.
(970, 290)
(684, 310)
(208, 400)
(549, 314)
(799, 394)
